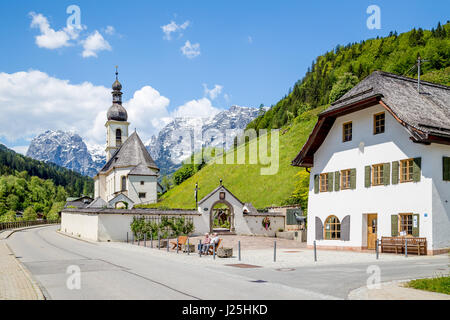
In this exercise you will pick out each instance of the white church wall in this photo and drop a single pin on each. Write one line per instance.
(149, 188)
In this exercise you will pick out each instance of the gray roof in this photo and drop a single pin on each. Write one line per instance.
(428, 111)
(142, 170)
(173, 212)
(251, 208)
(82, 202)
(131, 153)
(97, 203)
(117, 112)
(425, 115)
(216, 190)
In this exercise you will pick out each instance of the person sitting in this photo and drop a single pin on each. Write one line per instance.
(205, 242)
(213, 241)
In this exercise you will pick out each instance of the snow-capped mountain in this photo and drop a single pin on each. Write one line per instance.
(183, 136)
(174, 143)
(68, 150)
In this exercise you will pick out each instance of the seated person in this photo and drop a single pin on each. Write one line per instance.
(206, 241)
(213, 241)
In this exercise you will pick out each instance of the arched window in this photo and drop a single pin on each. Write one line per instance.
(332, 228)
(118, 137)
(124, 184)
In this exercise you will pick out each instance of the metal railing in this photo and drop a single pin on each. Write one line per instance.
(23, 224)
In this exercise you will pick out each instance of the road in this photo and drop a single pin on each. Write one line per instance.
(109, 272)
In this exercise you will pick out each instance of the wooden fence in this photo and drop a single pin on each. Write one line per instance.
(23, 224)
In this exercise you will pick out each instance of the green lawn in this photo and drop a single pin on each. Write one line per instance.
(245, 180)
(439, 284)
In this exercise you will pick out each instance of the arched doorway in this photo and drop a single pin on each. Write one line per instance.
(222, 217)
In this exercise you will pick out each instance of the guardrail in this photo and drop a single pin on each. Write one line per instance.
(23, 224)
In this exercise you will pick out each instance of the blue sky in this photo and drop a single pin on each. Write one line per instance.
(253, 51)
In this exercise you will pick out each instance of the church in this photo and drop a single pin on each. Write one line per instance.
(130, 176)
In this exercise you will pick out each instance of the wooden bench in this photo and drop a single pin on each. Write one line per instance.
(397, 245)
(210, 251)
(181, 241)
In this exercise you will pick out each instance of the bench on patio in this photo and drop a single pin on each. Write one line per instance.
(397, 245)
(210, 251)
(181, 241)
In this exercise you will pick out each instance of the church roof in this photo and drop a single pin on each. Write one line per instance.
(141, 170)
(97, 203)
(131, 153)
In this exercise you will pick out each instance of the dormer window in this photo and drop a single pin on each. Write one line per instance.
(347, 131)
(379, 123)
(118, 137)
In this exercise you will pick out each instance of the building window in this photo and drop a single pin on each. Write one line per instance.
(406, 170)
(378, 123)
(142, 195)
(118, 138)
(124, 184)
(345, 179)
(332, 228)
(142, 183)
(324, 182)
(378, 175)
(405, 224)
(347, 132)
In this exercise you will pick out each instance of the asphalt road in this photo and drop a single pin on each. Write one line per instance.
(120, 273)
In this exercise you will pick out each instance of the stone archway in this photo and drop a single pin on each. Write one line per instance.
(212, 216)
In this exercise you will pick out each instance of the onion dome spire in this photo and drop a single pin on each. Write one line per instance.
(117, 112)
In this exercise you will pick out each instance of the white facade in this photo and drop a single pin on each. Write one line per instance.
(428, 198)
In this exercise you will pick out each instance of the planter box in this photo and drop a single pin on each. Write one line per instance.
(225, 252)
(190, 249)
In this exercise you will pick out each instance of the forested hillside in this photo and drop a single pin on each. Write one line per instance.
(74, 183)
(337, 71)
(35, 187)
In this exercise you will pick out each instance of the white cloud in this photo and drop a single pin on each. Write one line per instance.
(191, 50)
(172, 27)
(94, 43)
(201, 108)
(110, 30)
(49, 38)
(33, 102)
(214, 92)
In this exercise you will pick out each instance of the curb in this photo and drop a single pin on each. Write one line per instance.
(36, 287)
(76, 238)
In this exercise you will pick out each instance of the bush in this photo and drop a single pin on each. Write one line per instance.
(172, 227)
(29, 214)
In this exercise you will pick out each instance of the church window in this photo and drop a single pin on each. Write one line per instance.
(124, 184)
(142, 183)
(142, 195)
(118, 137)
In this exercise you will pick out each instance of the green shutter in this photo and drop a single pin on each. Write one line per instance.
(395, 172)
(330, 182)
(337, 181)
(415, 231)
(353, 179)
(387, 174)
(316, 183)
(446, 168)
(367, 177)
(394, 225)
(417, 169)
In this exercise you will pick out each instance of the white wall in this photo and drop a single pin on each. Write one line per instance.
(150, 188)
(255, 226)
(393, 145)
(80, 225)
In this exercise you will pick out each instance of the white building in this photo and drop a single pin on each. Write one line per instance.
(130, 175)
(380, 165)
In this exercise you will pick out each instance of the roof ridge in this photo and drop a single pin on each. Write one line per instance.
(409, 79)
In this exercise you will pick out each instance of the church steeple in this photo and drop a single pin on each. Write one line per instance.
(117, 125)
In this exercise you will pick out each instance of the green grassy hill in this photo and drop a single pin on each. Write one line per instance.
(245, 180)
